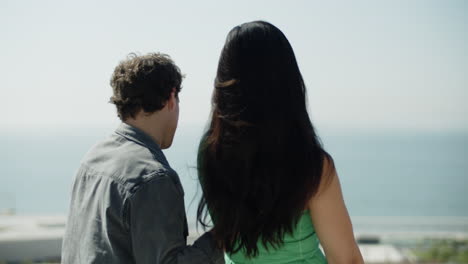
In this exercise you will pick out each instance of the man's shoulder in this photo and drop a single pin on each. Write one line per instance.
(126, 162)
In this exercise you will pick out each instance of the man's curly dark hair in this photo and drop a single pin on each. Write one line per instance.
(144, 83)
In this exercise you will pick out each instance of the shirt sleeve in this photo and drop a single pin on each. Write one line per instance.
(156, 216)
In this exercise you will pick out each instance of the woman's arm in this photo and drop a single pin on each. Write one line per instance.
(331, 220)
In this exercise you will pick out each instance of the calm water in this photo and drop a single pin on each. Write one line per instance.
(400, 175)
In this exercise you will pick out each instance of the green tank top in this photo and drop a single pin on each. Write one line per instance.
(300, 247)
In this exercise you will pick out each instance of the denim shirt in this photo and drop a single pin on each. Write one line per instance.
(127, 206)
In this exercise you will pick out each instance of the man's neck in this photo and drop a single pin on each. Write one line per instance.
(149, 126)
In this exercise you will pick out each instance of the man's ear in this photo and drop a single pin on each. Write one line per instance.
(171, 103)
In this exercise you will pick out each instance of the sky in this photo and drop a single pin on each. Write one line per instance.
(368, 65)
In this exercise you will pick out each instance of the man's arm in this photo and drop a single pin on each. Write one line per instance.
(156, 217)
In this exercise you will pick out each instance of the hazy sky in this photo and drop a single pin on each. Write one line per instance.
(367, 64)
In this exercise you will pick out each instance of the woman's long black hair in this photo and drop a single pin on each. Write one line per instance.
(260, 161)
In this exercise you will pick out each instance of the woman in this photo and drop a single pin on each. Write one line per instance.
(271, 189)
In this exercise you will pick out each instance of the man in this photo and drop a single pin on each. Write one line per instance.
(127, 202)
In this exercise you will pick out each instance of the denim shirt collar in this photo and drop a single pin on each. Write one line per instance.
(138, 136)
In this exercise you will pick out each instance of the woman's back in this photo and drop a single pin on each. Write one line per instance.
(260, 162)
(302, 246)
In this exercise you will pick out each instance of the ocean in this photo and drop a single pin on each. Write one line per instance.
(402, 181)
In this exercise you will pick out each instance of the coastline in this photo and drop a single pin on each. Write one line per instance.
(39, 237)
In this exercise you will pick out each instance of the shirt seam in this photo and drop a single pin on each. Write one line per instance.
(130, 191)
(103, 174)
